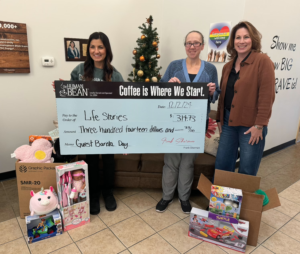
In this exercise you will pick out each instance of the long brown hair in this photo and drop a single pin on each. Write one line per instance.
(255, 36)
(89, 62)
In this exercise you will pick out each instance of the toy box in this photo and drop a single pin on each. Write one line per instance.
(35, 137)
(225, 234)
(73, 195)
(252, 207)
(40, 227)
(225, 204)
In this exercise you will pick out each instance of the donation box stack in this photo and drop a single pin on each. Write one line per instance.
(235, 211)
(221, 224)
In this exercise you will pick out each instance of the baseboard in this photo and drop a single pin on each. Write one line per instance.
(7, 175)
(12, 174)
(278, 148)
(274, 149)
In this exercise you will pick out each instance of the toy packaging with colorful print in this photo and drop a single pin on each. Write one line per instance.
(40, 227)
(252, 207)
(73, 194)
(225, 204)
(225, 234)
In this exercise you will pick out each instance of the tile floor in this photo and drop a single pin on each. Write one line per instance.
(135, 227)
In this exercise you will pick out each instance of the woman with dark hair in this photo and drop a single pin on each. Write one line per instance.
(97, 67)
(245, 104)
(179, 167)
(73, 52)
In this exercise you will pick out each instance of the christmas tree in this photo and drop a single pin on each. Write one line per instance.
(145, 55)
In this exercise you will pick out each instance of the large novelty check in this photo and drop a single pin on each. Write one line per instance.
(122, 117)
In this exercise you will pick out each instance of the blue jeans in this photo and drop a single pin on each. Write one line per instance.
(233, 137)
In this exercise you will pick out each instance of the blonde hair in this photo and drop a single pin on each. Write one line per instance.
(194, 31)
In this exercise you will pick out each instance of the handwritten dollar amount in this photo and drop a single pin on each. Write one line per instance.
(11, 26)
(183, 117)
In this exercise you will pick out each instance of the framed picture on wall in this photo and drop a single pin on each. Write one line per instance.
(14, 56)
(75, 49)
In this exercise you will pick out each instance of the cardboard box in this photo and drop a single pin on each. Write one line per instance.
(77, 214)
(225, 204)
(33, 176)
(40, 227)
(225, 234)
(252, 206)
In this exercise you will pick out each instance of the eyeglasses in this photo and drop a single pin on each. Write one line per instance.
(195, 44)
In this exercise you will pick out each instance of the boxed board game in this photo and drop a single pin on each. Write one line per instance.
(225, 204)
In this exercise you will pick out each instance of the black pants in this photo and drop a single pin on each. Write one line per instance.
(93, 161)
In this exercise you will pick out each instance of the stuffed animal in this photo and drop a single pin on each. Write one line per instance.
(39, 152)
(43, 202)
(57, 156)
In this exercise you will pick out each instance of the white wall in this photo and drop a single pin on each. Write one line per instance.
(27, 101)
(280, 18)
(180, 17)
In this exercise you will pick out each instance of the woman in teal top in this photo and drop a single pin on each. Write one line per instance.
(97, 67)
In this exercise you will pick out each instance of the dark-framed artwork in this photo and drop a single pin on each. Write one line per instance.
(14, 56)
(75, 49)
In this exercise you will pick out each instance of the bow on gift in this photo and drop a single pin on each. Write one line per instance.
(212, 126)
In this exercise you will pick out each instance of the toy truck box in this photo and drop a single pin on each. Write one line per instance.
(40, 227)
(225, 234)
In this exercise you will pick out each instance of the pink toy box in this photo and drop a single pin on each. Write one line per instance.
(225, 204)
(73, 195)
(40, 227)
(225, 234)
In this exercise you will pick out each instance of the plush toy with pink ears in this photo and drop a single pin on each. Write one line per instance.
(43, 202)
